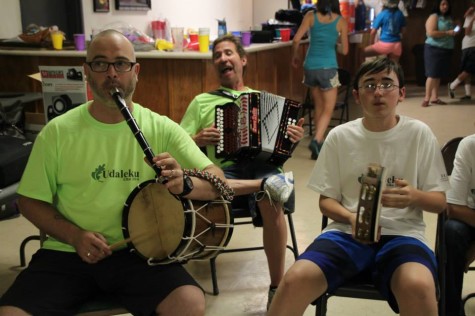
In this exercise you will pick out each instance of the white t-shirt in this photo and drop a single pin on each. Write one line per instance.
(469, 40)
(409, 151)
(462, 180)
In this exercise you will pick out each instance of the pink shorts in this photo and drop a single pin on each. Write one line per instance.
(383, 48)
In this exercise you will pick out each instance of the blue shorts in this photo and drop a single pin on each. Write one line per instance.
(326, 79)
(58, 283)
(254, 169)
(342, 258)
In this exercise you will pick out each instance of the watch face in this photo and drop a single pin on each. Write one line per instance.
(188, 183)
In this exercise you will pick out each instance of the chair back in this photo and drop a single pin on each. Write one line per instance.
(343, 97)
(448, 153)
(345, 89)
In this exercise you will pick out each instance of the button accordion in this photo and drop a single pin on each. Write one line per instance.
(254, 126)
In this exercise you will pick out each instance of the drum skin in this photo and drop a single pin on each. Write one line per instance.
(163, 228)
(154, 220)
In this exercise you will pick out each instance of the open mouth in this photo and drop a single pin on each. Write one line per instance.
(226, 70)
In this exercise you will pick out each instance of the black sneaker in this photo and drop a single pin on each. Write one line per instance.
(465, 98)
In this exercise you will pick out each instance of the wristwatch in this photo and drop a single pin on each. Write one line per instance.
(187, 186)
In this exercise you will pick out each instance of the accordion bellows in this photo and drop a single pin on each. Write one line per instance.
(254, 126)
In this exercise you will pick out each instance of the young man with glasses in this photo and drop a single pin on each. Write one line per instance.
(400, 263)
(84, 165)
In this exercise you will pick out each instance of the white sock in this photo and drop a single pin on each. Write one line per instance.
(468, 89)
(454, 84)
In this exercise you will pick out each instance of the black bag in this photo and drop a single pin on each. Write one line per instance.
(12, 120)
(292, 16)
(14, 153)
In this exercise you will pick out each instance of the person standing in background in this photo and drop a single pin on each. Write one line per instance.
(438, 50)
(392, 23)
(328, 30)
(468, 57)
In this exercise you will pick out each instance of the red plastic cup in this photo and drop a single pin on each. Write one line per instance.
(285, 35)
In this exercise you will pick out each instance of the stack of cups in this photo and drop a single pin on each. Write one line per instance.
(158, 29)
(177, 36)
(203, 39)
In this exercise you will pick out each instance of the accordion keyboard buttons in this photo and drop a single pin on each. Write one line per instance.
(220, 127)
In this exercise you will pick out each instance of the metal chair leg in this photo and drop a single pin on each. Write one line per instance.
(214, 278)
(22, 248)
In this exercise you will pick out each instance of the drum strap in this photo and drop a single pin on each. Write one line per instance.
(223, 188)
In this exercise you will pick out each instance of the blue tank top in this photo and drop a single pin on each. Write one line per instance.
(321, 53)
(443, 24)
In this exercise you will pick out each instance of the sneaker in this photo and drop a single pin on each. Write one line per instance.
(465, 98)
(280, 186)
(270, 296)
(451, 92)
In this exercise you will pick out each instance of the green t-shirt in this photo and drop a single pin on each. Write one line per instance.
(87, 169)
(201, 114)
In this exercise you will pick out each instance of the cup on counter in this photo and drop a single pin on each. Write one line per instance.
(285, 34)
(193, 44)
(203, 39)
(246, 38)
(158, 29)
(57, 37)
(80, 41)
(177, 36)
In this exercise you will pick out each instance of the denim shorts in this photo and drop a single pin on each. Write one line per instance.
(326, 79)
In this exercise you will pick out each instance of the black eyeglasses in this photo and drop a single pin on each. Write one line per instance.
(383, 87)
(103, 66)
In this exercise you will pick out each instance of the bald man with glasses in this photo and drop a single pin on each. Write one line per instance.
(84, 165)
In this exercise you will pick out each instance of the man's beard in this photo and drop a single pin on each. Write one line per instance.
(102, 92)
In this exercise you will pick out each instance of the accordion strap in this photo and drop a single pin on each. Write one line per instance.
(224, 93)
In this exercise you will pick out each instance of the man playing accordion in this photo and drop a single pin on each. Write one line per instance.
(265, 190)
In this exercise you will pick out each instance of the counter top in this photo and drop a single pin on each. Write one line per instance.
(9, 51)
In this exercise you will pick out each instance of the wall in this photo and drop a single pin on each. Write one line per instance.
(239, 14)
(10, 19)
(265, 10)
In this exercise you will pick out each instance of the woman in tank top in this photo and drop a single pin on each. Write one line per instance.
(328, 33)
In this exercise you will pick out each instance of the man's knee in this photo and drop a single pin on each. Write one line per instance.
(185, 300)
(455, 233)
(12, 311)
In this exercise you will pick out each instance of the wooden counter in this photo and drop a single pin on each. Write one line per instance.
(168, 81)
